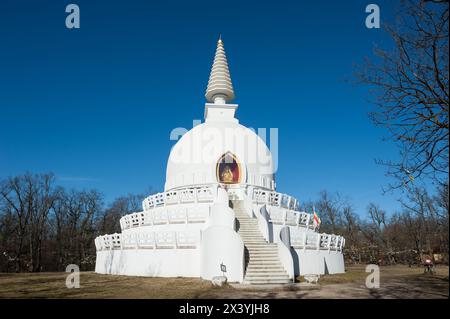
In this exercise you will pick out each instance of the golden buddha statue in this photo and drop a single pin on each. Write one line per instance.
(227, 175)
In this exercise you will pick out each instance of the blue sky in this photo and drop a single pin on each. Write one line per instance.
(96, 105)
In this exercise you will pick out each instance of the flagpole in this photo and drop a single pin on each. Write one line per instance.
(314, 215)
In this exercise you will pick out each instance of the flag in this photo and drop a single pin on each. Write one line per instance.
(316, 218)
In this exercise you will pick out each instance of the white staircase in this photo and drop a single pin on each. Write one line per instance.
(261, 258)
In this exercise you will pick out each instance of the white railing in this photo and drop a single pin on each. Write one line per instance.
(185, 214)
(149, 240)
(200, 194)
(261, 196)
(287, 217)
(310, 240)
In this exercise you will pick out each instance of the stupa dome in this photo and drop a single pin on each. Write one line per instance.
(197, 157)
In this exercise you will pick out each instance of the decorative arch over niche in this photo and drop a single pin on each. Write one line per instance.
(228, 169)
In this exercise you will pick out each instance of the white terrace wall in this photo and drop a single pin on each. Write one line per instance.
(172, 242)
(149, 262)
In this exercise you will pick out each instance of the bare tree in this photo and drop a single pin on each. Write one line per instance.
(411, 87)
(329, 207)
(352, 233)
(109, 222)
(28, 199)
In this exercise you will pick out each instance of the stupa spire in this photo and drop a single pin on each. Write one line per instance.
(220, 89)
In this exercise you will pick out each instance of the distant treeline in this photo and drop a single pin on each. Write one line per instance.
(417, 232)
(45, 227)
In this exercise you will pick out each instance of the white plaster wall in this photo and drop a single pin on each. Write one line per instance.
(334, 262)
(310, 262)
(317, 261)
(221, 244)
(149, 262)
(222, 216)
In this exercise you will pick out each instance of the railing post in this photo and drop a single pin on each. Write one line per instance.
(329, 243)
(304, 240)
(318, 241)
(176, 239)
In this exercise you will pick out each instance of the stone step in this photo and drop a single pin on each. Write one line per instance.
(263, 253)
(257, 237)
(263, 249)
(255, 244)
(253, 232)
(249, 236)
(264, 266)
(264, 262)
(263, 258)
(267, 282)
(265, 273)
(258, 247)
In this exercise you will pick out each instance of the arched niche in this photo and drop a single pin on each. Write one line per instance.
(229, 169)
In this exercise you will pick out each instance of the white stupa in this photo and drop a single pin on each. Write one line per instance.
(220, 212)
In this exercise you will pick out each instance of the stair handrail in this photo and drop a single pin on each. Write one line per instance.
(284, 252)
(264, 223)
